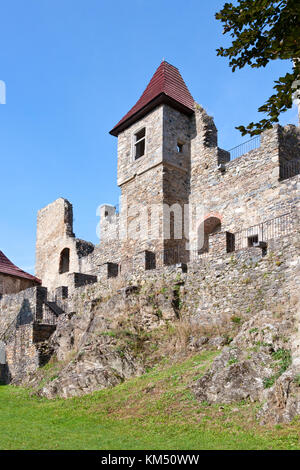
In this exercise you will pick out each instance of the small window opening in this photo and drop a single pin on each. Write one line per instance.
(64, 262)
(179, 147)
(230, 242)
(106, 213)
(252, 239)
(139, 144)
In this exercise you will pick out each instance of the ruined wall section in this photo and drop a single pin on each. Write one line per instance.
(109, 249)
(21, 355)
(18, 312)
(54, 234)
(289, 143)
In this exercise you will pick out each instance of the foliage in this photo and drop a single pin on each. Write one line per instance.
(236, 319)
(261, 31)
(283, 361)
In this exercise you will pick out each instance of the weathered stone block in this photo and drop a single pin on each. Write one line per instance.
(108, 270)
(79, 279)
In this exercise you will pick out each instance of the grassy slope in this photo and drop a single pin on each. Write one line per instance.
(155, 411)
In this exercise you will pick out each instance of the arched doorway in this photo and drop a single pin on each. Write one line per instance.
(210, 225)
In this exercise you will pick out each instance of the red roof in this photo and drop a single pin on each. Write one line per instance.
(166, 86)
(7, 267)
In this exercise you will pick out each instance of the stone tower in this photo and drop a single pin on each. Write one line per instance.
(154, 166)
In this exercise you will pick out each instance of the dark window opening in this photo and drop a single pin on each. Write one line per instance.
(179, 147)
(288, 169)
(106, 213)
(230, 242)
(150, 262)
(64, 262)
(140, 143)
(252, 239)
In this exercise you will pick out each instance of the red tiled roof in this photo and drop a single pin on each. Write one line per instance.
(166, 84)
(7, 267)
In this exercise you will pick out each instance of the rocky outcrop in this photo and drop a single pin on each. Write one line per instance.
(253, 362)
(99, 346)
(233, 378)
(95, 366)
(282, 402)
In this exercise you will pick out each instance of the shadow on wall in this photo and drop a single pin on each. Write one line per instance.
(5, 376)
(25, 315)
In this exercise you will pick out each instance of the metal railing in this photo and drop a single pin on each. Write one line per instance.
(245, 147)
(289, 169)
(273, 228)
(50, 313)
(49, 317)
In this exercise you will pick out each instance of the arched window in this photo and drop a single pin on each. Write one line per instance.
(64, 261)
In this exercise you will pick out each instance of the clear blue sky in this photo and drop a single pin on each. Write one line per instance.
(72, 69)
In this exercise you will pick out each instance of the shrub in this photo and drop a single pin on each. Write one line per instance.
(283, 361)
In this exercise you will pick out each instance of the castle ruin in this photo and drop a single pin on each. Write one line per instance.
(169, 166)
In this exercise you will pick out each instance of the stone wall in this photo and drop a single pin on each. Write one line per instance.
(128, 167)
(141, 184)
(21, 354)
(18, 314)
(249, 190)
(219, 287)
(20, 309)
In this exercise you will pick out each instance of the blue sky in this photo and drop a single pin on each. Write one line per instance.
(72, 69)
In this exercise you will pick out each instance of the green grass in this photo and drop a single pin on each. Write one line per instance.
(155, 411)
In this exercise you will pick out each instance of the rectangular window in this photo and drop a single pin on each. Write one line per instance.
(139, 143)
(230, 242)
